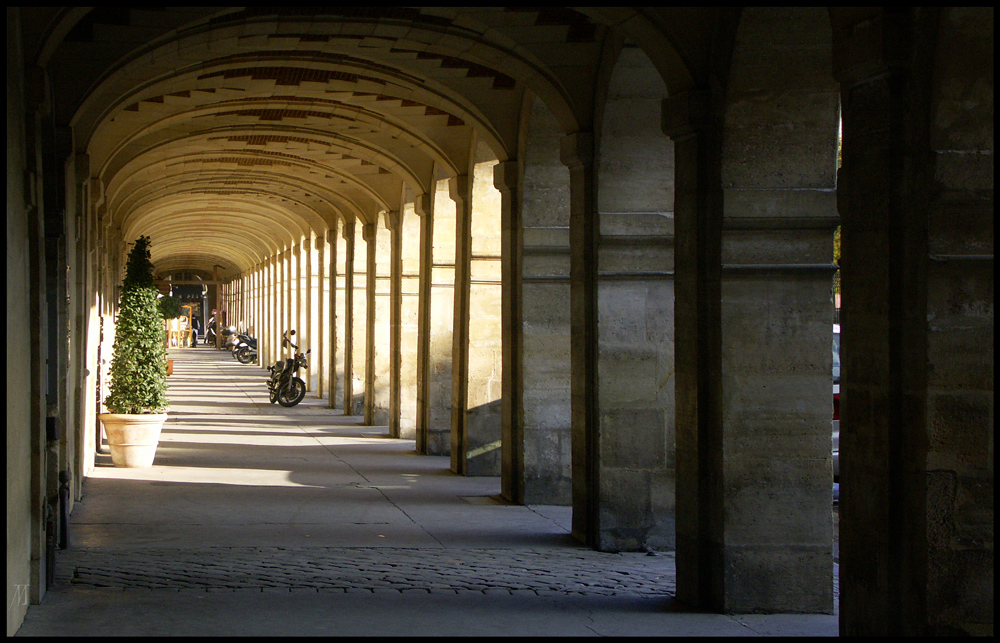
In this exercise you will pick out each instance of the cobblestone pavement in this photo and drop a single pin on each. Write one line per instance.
(564, 571)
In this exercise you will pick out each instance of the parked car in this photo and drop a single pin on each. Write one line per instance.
(836, 412)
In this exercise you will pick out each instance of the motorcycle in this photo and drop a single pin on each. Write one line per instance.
(246, 348)
(285, 387)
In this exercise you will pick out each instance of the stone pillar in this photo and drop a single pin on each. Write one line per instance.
(281, 293)
(440, 345)
(333, 333)
(537, 371)
(263, 306)
(274, 299)
(753, 317)
(380, 323)
(370, 233)
(576, 152)
(395, 278)
(362, 367)
(424, 207)
(635, 294)
(916, 200)
(506, 178)
(339, 265)
(460, 191)
(271, 303)
(348, 316)
(697, 137)
(306, 311)
(319, 318)
(294, 297)
(408, 250)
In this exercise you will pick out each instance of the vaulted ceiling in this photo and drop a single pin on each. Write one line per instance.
(226, 134)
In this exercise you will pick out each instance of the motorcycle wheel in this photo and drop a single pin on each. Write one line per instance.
(293, 393)
(243, 355)
(273, 395)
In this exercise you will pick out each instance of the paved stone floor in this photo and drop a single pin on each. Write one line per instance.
(259, 520)
(557, 571)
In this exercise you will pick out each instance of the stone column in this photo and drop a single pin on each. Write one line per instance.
(506, 178)
(576, 152)
(339, 265)
(697, 136)
(274, 299)
(394, 357)
(333, 333)
(753, 313)
(348, 372)
(537, 371)
(263, 306)
(380, 339)
(319, 318)
(460, 191)
(294, 298)
(408, 250)
(287, 321)
(369, 231)
(424, 208)
(308, 328)
(271, 303)
(916, 200)
(359, 322)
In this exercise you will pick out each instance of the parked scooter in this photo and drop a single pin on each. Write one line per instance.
(229, 338)
(285, 387)
(246, 348)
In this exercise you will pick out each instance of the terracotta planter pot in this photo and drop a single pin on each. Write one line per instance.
(133, 438)
(170, 367)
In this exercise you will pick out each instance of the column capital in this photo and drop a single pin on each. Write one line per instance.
(393, 220)
(422, 204)
(577, 149)
(81, 164)
(506, 175)
(96, 191)
(458, 187)
(368, 232)
(348, 230)
(684, 114)
(869, 43)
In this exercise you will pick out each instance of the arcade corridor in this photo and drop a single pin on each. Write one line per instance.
(256, 519)
(579, 258)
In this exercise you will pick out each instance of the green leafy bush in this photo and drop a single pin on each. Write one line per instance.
(139, 358)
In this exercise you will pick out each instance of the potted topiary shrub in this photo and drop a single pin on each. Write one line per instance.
(137, 398)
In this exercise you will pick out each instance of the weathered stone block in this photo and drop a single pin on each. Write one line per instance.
(778, 579)
(633, 438)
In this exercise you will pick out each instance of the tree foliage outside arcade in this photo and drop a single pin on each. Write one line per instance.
(139, 358)
(170, 307)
